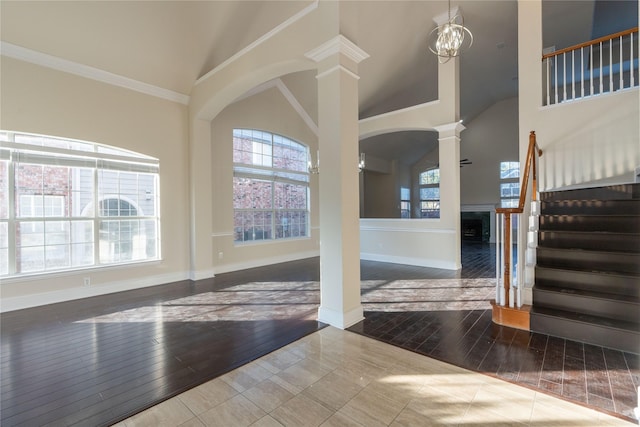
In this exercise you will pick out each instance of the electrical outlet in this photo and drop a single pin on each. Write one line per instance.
(220, 255)
(87, 281)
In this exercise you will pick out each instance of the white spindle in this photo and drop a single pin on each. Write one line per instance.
(564, 76)
(621, 67)
(591, 69)
(555, 74)
(601, 76)
(573, 75)
(548, 82)
(631, 59)
(611, 65)
(498, 257)
(511, 298)
(582, 72)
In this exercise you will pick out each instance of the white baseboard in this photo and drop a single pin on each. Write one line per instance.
(339, 319)
(44, 298)
(202, 274)
(419, 262)
(261, 262)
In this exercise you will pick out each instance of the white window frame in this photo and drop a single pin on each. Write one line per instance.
(405, 202)
(261, 169)
(509, 174)
(17, 148)
(429, 201)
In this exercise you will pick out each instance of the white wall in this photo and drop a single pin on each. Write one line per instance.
(269, 111)
(586, 142)
(421, 242)
(40, 100)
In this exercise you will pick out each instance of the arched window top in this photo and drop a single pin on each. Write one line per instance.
(254, 147)
(431, 176)
(51, 142)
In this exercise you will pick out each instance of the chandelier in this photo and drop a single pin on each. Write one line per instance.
(447, 39)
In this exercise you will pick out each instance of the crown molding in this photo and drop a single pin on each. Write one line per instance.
(313, 6)
(338, 44)
(49, 61)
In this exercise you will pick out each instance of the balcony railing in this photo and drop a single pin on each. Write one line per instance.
(604, 65)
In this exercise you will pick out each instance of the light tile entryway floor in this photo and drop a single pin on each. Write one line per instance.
(339, 378)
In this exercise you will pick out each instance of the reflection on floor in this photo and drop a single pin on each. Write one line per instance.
(337, 378)
(448, 318)
(96, 361)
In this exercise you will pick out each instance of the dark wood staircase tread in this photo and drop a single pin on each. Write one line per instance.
(587, 272)
(615, 274)
(630, 327)
(591, 294)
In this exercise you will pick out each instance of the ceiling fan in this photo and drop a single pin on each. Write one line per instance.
(462, 163)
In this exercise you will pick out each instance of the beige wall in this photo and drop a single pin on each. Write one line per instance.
(41, 100)
(269, 111)
(492, 137)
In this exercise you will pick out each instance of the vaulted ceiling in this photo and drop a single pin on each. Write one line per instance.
(170, 44)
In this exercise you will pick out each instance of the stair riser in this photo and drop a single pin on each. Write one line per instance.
(612, 224)
(588, 333)
(612, 309)
(614, 192)
(589, 261)
(590, 207)
(590, 241)
(592, 282)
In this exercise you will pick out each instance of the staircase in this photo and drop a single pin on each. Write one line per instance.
(587, 277)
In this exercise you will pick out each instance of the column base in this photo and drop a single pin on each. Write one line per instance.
(338, 319)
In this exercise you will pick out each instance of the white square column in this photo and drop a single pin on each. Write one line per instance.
(449, 148)
(340, 303)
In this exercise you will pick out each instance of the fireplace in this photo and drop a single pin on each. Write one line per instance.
(475, 226)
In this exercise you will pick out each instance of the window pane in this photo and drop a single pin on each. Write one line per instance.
(291, 224)
(252, 226)
(405, 209)
(510, 189)
(509, 170)
(405, 193)
(430, 177)
(269, 208)
(81, 246)
(29, 259)
(251, 194)
(4, 189)
(430, 193)
(28, 182)
(4, 248)
(509, 203)
(290, 196)
(120, 240)
(430, 209)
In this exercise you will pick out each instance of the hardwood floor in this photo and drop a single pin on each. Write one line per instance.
(96, 361)
(449, 319)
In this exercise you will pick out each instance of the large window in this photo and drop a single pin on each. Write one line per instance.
(50, 188)
(430, 194)
(270, 186)
(509, 184)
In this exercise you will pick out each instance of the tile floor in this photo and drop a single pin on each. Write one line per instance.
(339, 378)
